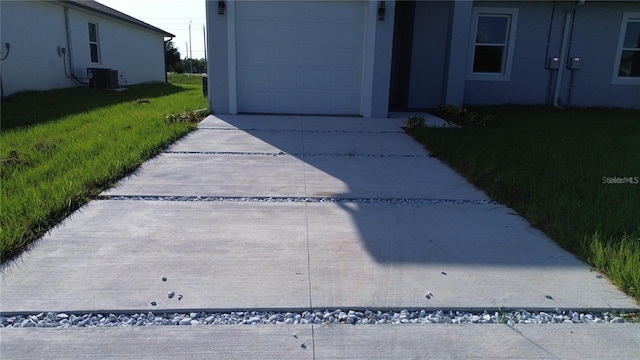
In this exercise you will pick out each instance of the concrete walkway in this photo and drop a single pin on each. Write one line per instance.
(231, 216)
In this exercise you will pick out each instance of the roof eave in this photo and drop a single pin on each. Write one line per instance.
(126, 18)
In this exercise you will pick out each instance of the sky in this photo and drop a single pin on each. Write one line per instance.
(172, 16)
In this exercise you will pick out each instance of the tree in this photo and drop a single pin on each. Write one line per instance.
(198, 65)
(172, 57)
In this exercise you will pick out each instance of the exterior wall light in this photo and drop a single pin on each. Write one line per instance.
(221, 7)
(381, 10)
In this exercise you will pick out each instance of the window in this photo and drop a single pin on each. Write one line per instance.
(627, 69)
(93, 43)
(491, 45)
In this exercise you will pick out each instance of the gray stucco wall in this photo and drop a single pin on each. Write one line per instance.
(454, 83)
(440, 56)
(530, 81)
(595, 39)
(429, 53)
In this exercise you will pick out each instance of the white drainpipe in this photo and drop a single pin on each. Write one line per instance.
(68, 33)
(563, 51)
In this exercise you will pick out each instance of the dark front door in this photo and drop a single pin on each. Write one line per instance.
(401, 57)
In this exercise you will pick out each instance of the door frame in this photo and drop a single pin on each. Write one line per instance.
(366, 101)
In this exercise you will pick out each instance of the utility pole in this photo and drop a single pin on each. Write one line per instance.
(190, 50)
(204, 36)
(189, 60)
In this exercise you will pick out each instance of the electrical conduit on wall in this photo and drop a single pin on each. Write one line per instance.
(68, 33)
(563, 50)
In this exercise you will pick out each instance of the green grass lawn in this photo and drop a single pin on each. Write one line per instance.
(554, 167)
(61, 148)
(193, 79)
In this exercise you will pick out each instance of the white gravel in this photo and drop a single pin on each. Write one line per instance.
(281, 199)
(282, 153)
(400, 131)
(337, 316)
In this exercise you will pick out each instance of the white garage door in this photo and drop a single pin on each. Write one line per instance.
(300, 57)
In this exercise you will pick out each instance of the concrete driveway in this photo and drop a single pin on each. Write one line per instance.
(298, 213)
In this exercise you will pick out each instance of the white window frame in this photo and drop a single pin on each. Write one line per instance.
(621, 80)
(97, 42)
(505, 75)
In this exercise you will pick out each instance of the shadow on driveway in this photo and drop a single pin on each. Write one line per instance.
(405, 206)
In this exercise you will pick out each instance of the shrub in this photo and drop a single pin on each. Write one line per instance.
(414, 122)
(463, 117)
(189, 116)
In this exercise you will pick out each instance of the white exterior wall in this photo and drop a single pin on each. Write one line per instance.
(137, 54)
(33, 62)
(217, 62)
(35, 29)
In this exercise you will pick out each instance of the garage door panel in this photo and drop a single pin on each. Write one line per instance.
(315, 101)
(343, 102)
(287, 78)
(286, 55)
(344, 79)
(346, 58)
(316, 56)
(317, 34)
(318, 11)
(355, 31)
(299, 56)
(281, 11)
(287, 32)
(315, 79)
(256, 54)
(348, 12)
(255, 31)
(256, 99)
(261, 78)
(256, 10)
(288, 99)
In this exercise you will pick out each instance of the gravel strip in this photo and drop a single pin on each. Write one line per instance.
(307, 131)
(338, 316)
(258, 199)
(282, 153)
(244, 153)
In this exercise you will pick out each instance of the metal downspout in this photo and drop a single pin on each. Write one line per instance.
(563, 51)
(69, 51)
(66, 26)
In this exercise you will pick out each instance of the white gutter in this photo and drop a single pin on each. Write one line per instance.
(563, 50)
